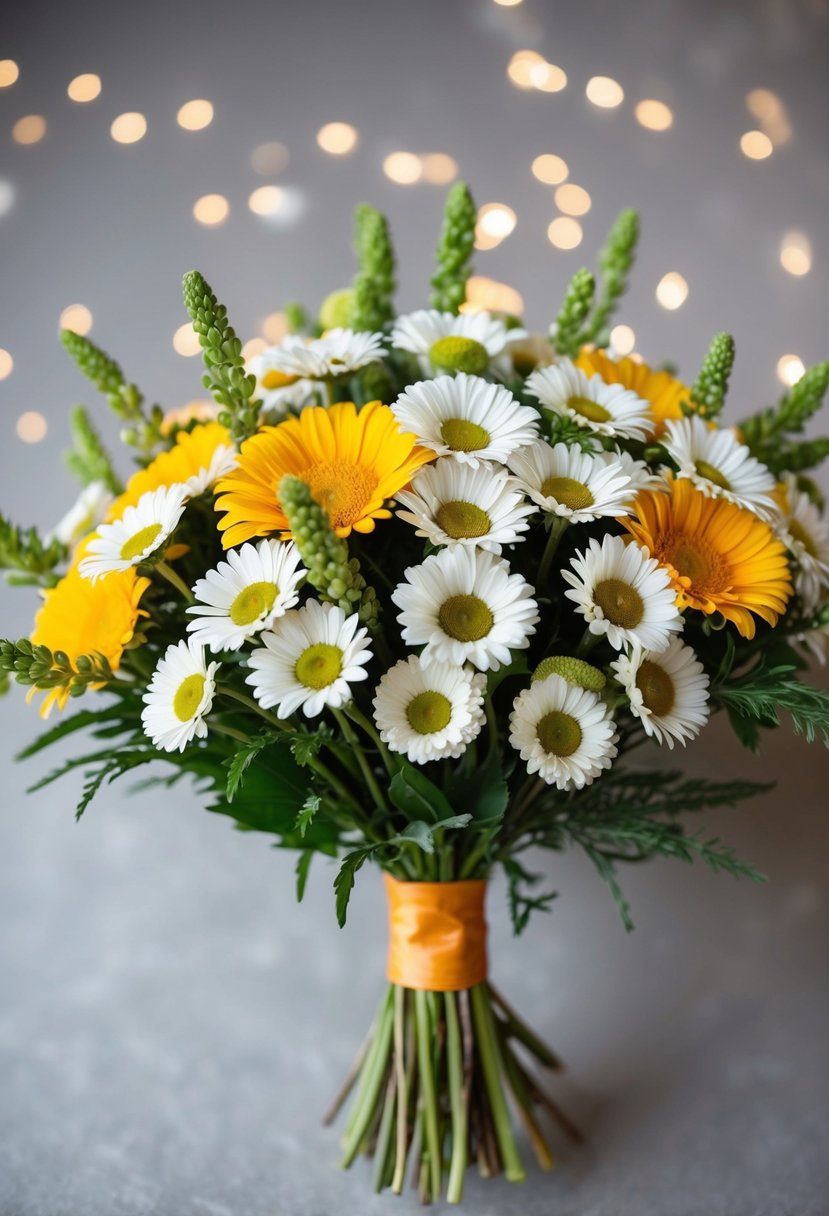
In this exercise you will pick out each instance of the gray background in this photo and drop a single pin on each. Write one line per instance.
(171, 1025)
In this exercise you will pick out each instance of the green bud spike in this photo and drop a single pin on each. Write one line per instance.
(374, 284)
(711, 385)
(39, 667)
(767, 432)
(125, 400)
(577, 302)
(454, 252)
(88, 459)
(574, 671)
(615, 264)
(336, 309)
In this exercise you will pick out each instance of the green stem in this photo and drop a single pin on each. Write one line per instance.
(356, 716)
(225, 690)
(558, 526)
(588, 641)
(374, 1071)
(476, 856)
(384, 1136)
(365, 767)
(492, 1069)
(457, 1100)
(492, 726)
(175, 580)
(231, 731)
(399, 1177)
(427, 1089)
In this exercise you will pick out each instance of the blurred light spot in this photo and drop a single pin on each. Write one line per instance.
(507, 3)
(275, 327)
(654, 115)
(672, 290)
(85, 87)
(547, 77)
(796, 253)
(520, 67)
(572, 199)
(6, 197)
(488, 295)
(764, 104)
(622, 339)
(605, 92)
(186, 340)
(565, 233)
(195, 115)
(128, 128)
(635, 357)
(403, 167)
(253, 347)
(269, 158)
(211, 209)
(789, 369)
(266, 200)
(755, 145)
(31, 427)
(550, 169)
(438, 168)
(496, 220)
(76, 317)
(29, 130)
(9, 72)
(338, 138)
(6, 363)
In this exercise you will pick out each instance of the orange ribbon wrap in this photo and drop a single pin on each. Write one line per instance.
(437, 934)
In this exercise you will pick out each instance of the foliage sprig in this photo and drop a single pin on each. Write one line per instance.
(372, 304)
(29, 558)
(88, 459)
(768, 433)
(615, 264)
(575, 307)
(711, 385)
(454, 252)
(143, 428)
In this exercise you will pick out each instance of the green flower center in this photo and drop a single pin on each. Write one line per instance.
(455, 354)
(461, 435)
(621, 604)
(713, 475)
(251, 603)
(569, 492)
(574, 671)
(139, 542)
(588, 409)
(799, 533)
(188, 696)
(428, 712)
(462, 519)
(466, 618)
(558, 733)
(319, 665)
(656, 687)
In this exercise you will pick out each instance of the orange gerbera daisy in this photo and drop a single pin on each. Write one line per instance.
(664, 393)
(720, 557)
(353, 462)
(194, 452)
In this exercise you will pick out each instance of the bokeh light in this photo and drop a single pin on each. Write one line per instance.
(770, 112)
(275, 327)
(507, 3)
(404, 168)
(29, 129)
(550, 169)
(604, 92)
(654, 115)
(269, 158)
(572, 199)
(253, 347)
(519, 68)
(756, 145)
(622, 339)
(789, 369)
(76, 317)
(337, 138)
(796, 253)
(565, 233)
(211, 210)
(128, 128)
(495, 223)
(31, 427)
(9, 72)
(186, 340)
(195, 115)
(438, 168)
(547, 77)
(85, 87)
(672, 290)
(6, 363)
(266, 200)
(488, 295)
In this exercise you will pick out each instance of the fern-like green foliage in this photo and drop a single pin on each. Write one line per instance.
(711, 385)
(575, 308)
(39, 667)
(27, 557)
(772, 434)
(143, 427)
(88, 459)
(615, 264)
(757, 698)
(372, 305)
(454, 252)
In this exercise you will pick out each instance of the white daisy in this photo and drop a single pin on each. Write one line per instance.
(623, 592)
(179, 696)
(339, 352)
(277, 390)
(576, 485)
(816, 641)
(606, 409)
(470, 342)
(88, 510)
(309, 660)
(719, 465)
(563, 733)
(640, 474)
(465, 417)
(245, 594)
(464, 504)
(463, 605)
(668, 692)
(224, 458)
(805, 533)
(139, 532)
(428, 712)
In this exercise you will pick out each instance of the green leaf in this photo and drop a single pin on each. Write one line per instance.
(74, 722)
(516, 667)
(521, 903)
(484, 791)
(305, 817)
(344, 882)
(303, 865)
(272, 794)
(418, 833)
(240, 762)
(417, 797)
(765, 690)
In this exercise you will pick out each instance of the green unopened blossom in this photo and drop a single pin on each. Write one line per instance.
(574, 671)
(711, 385)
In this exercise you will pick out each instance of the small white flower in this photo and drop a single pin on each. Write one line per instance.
(429, 712)
(310, 659)
(576, 485)
(668, 692)
(623, 592)
(465, 417)
(432, 336)
(245, 594)
(463, 504)
(277, 390)
(463, 605)
(339, 352)
(562, 732)
(816, 641)
(224, 458)
(179, 696)
(805, 533)
(638, 471)
(88, 510)
(139, 532)
(606, 409)
(719, 465)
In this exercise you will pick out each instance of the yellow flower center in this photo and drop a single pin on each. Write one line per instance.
(588, 409)
(620, 603)
(342, 489)
(456, 354)
(712, 474)
(558, 733)
(428, 712)
(253, 602)
(461, 435)
(574, 671)
(274, 379)
(466, 618)
(462, 519)
(139, 542)
(569, 492)
(705, 569)
(319, 665)
(656, 687)
(799, 533)
(188, 696)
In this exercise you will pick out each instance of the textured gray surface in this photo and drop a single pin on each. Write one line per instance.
(171, 1024)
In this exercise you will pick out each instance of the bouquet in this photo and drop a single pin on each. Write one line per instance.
(410, 590)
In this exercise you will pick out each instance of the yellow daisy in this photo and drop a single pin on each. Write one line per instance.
(353, 462)
(720, 557)
(194, 454)
(81, 617)
(664, 394)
